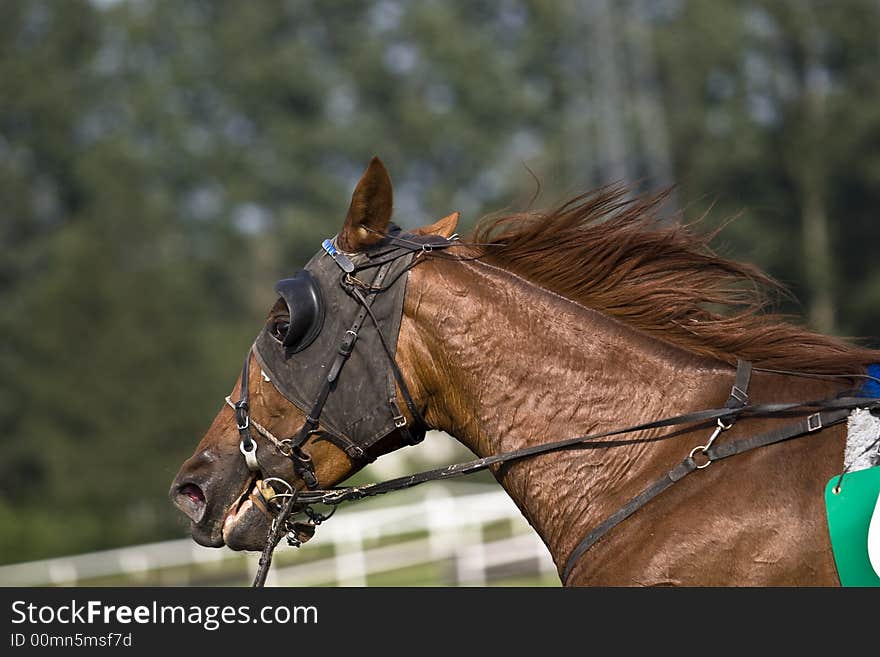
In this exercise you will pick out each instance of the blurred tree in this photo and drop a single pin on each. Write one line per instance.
(767, 101)
(109, 340)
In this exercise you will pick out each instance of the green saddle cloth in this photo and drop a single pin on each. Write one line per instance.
(853, 514)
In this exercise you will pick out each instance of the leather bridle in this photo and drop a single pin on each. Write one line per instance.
(381, 260)
(815, 415)
(394, 247)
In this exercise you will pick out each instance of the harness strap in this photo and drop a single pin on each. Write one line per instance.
(677, 473)
(739, 393)
(738, 398)
(302, 462)
(809, 424)
(412, 244)
(335, 496)
(246, 444)
(812, 423)
(417, 433)
(353, 451)
(277, 528)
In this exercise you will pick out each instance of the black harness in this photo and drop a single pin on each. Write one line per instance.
(305, 363)
(357, 412)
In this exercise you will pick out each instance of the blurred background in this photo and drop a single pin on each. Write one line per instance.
(162, 164)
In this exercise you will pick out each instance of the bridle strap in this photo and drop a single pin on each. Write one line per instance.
(739, 393)
(246, 445)
(302, 463)
(292, 447)
(703, 418)
(738, 398)
(351, 449)
(807, 425)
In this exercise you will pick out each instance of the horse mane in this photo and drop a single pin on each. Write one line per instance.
(612, 251)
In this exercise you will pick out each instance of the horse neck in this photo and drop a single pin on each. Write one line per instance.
(504, 364)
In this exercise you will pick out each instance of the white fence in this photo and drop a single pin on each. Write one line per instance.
(440, 538)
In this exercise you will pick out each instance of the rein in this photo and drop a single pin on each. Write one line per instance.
(815, 416)
(816, 421)
(825, 413)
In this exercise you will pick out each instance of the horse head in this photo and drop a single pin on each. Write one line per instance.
(286, 424)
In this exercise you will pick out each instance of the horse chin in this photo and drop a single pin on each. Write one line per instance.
(206, 536)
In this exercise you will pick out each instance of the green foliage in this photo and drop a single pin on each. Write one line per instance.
(163, 163)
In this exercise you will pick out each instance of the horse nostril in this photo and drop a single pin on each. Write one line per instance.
(190, 499)
(193, 492)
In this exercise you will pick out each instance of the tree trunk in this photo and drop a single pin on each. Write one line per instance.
(611, 137)
(818, 264)
(817, 256)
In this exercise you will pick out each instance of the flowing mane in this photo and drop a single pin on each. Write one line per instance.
(613, 252)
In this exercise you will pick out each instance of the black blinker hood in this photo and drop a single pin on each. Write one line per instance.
(305, 305)
(362, 403)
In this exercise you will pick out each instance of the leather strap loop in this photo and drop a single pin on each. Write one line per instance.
(676, 474)
(714, 453)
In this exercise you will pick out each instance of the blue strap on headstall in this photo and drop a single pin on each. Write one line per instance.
(341, 259)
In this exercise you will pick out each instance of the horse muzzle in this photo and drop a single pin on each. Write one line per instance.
(221, 514)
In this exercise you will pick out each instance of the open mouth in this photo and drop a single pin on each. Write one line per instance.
(244, 523)
(249, 512)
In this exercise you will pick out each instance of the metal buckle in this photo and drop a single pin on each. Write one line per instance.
(814, 422)
(349, 339)
(700, 449)
(739, 395)
(703, 449)
(397, 414)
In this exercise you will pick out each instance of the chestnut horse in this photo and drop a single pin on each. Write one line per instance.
(589, 317)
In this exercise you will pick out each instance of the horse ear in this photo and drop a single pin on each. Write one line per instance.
(370, 209)
(444, 227)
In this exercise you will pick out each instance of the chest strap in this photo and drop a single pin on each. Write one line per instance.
(738, 398)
